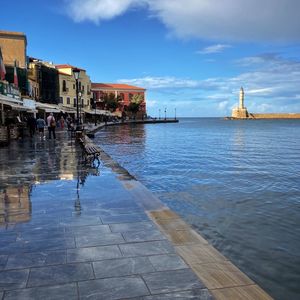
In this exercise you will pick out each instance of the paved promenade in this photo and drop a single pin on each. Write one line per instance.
(70, 231)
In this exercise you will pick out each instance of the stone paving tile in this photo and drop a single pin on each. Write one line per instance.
(143, 236)
(146, 248)
(38, 259)
(93, 253)
(199, 294)
(100, 240)
(41, 235)
(167, 262)
(57, 292)
(170, 281)
(126, 227)
(113, 288)
(82, 230)
(7, 238)
(10, 280)
(120, 204)
(60, 274)
(81, 221)
(120, 211)
(38, 246)
(3, 260)
(122, 267)
(124, 218)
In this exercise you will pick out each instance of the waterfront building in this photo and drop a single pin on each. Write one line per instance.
(124, 93)
(240, 112)
(13, 47)
(67, 89)
(44, 79)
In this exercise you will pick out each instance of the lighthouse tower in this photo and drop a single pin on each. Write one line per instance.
(242, 95)
(240, 112)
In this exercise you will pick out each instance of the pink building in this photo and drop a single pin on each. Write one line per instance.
(124, 92)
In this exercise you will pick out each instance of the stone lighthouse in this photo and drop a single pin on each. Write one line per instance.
(240, 112)
(242, 95)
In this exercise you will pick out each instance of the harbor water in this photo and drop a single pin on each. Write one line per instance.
(236, 182)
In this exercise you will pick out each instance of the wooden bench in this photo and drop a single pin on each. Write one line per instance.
(90, 150)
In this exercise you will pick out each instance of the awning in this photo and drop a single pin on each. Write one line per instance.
(98, 112)
(48, 108)
(10, 99)
(69, 110)
(14, 106)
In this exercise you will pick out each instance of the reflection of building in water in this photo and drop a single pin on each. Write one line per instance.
(15, 205)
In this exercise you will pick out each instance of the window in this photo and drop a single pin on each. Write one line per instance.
(73, 86)
(68, 100)
(64, 86)
(82, 102)
(130, 96)
(61, 100)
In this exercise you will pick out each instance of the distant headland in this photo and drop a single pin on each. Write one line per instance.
(241, 112)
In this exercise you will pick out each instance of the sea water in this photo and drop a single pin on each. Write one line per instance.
(236, 182)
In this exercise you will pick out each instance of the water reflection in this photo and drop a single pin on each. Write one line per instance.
(122, 137)
(239, 137)
(26, 164)
(15, 205)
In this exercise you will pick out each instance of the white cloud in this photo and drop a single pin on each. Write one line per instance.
(226, 20)
(161, 82)
(151, 103)
(223, 105)
(273, 87)
(99, 10)
(213, 49)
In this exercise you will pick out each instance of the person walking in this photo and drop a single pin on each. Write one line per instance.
(51, 123)
(31, 122)
(41, 125)
(62, 122)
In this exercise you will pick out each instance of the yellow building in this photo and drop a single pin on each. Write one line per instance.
(67, 88)
(13, 46)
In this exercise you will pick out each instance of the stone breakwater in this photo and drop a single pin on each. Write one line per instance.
(276, 116)
(251, 116)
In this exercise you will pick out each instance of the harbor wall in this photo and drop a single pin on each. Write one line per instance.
(275, 116)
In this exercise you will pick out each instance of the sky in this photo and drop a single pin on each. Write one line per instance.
(192, 56)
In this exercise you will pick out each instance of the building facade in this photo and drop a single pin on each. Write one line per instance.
(124, 93)
(67, 87)
(43, 81)
(13, 46)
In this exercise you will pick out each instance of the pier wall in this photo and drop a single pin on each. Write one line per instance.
(276, 116)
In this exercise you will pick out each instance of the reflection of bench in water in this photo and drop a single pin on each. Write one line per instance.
(89, 149)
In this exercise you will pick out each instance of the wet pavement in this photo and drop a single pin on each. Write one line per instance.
(72, 231)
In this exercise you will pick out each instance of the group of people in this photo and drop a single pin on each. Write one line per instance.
(40, 124)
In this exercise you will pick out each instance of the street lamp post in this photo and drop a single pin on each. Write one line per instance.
(80, 106)
(159, 114)
(165, 113)
(95, 104)
(76, 76)
(175, 113)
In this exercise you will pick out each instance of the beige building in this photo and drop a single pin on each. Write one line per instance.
(13, 46)
(67, 88)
